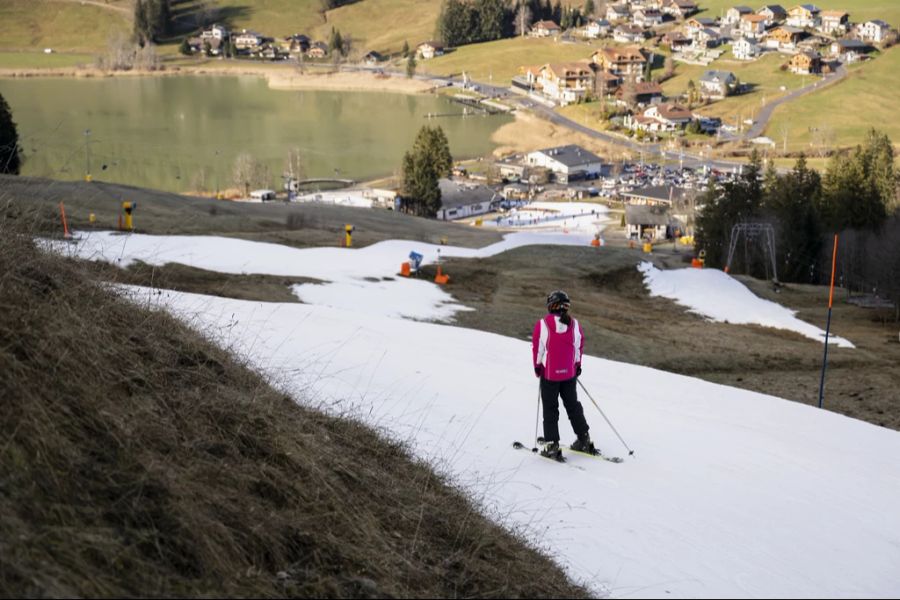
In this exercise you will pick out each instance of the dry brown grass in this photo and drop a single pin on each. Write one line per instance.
(137, 459)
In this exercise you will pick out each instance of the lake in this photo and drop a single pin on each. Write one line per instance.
(184, 133)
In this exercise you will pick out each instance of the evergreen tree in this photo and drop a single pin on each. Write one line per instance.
(10, 156)
(492, 19)
(185, 47)
(589, 8)
(423, 167)
(411, 65)
(859, 188)
(405, 51)
(723, 207)
(790, 201)
(556, 16)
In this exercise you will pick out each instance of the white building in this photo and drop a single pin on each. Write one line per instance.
(804, 15)
(874, 31)
(733, 15)
(462, 200)
(216, 32)
(428, 50)
(568, 163)
(746, 49)
(248, 39)
(597, 28)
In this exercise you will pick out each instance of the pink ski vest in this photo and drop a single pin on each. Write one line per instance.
(557, 347)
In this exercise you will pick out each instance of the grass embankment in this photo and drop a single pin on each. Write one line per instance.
(497, 62)
(32, 25)
(137, 459)
(841, 114)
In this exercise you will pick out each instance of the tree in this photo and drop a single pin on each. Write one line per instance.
(492, 17)
(207, 48)
(10, 153)
(724, 206)
(589, 8)
(249, 173)
(185, 47)
(859, 188)
(335, 42)
(523, 19)
(411, 66)
(790, 202)
(405, 51)
(423, 167)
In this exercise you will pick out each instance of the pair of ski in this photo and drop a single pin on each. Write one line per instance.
(562, 459)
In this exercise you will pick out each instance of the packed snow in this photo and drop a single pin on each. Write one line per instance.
(722, 298)
(730, 493)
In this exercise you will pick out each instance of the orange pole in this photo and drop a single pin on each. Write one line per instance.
(833, 265)
(62, 211)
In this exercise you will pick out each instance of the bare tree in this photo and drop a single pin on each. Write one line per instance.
(523, 19)
(294, 164)
(249, 173)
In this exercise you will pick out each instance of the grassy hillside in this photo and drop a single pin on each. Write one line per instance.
(137, 459)
(33, 25)
(844, 112)
(499, 61)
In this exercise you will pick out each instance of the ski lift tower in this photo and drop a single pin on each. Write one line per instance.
(763, 233)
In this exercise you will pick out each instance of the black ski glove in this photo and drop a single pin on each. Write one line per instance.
(577, 369)
(538, 370)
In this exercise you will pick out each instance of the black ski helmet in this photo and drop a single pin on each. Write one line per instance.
(558, 300)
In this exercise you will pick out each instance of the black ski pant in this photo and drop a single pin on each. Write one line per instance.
(550, 394)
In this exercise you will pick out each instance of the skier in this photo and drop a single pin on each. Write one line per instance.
(557, 344)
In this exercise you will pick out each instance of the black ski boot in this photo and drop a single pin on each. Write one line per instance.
(584, 444)
(552, 450)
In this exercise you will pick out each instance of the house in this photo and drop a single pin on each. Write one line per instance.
(627, 34)
(605, 83)
(676, 40)
(680, 9)
(695, 24)
(734, 15)
(597, 28)
(803, 15)
(661, 117)
(568, 163)
(874, 31)
(647, 17)
(216, 32)
(317, 50)
(706, 38)
(372, 58)
(650, 223)
(785, 38)
(427, 50)
(834, 22)
(807, 62)
(298, 43)
(645, 92)
(746, 49)
(566, 82)
(544, 29)
(247, 40)
(718, 84)
(461, 200)
(625, 61)
(658, 195)
(850, 50)
(774, 13)
(618, 12)
(752, 26)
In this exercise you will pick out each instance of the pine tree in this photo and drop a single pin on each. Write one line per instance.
(423, 167)
(589, 8)
(411, 66)
(405, 51)
(10, 154)
(185, 47)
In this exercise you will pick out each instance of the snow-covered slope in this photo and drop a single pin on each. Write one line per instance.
(730, 493)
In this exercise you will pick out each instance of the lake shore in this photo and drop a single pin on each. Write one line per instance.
(279, 77)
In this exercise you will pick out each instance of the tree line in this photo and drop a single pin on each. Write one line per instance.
(471, 21)
(152, 20)
(857, 197)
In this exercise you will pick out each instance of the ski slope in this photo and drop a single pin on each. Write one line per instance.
(730, 493)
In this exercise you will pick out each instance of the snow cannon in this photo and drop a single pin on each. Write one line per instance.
(348, 235)
(128, 223)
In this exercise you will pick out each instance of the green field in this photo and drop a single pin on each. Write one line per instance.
(39, 60)
(498, 61)
(763, 74)
(64, 26)
(845, 111)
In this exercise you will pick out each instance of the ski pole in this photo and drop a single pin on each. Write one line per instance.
(630, 451)
(537, 418)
